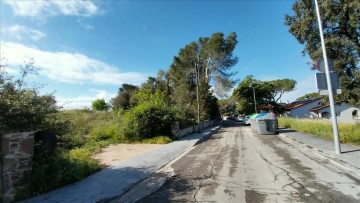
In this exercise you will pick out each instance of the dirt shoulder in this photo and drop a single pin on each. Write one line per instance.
(113, 154)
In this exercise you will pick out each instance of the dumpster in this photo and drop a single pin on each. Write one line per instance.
(266, 124)
(256, 123)
(252, 119)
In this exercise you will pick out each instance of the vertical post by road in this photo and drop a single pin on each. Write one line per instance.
(254, 99)
(328, 80)
(197, 90)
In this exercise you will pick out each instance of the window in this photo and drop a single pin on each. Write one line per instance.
(338, 113)
(355, 114)
(325, 115)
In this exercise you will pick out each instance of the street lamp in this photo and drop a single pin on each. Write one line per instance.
(253, 88)
(197, 73)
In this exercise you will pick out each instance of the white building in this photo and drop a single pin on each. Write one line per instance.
(301, 109)
(345, 113)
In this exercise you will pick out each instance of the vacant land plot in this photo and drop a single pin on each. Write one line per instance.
(116, 153)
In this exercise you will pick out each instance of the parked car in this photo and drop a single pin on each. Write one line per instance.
(247, 120)
(240, 119)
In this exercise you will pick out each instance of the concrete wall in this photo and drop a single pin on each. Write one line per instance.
(17, 151)
(178, 133)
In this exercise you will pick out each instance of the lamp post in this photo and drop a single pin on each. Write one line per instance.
(253, 88)
(196, 64)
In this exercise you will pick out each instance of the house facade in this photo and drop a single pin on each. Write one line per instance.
(345, 113)
(301, 109)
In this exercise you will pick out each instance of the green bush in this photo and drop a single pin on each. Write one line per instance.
(152, 117)
(348, 133)
(63, 168)
(22, 107)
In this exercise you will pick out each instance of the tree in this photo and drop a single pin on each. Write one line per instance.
(313, 95)
(211, 58)
(341, 24)
(161, 83)
(268, 92)
(100, 105)
(277, 88)
(244, 93)
(22, 107)
(124, 97)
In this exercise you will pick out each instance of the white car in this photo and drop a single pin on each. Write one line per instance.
(240, 119)
(247, 120)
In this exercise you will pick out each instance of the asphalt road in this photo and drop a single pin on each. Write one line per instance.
(238, 165)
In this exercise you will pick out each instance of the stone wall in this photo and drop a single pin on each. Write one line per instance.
(17, 151)
(178, 133)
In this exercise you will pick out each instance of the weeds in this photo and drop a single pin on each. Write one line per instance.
(349, 133)
(88, 132)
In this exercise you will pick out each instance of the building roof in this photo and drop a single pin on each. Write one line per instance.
(297, 104)
(265, 107)
(316, 108)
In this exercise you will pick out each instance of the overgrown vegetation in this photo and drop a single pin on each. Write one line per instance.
(349, 133)
(87, 132)
(21, 106)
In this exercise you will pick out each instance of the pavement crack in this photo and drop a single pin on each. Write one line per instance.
(211, 174)
(288, 173)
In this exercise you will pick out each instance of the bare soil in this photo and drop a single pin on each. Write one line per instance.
(113, 154)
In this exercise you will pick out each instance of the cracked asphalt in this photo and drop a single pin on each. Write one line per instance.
(237, 165)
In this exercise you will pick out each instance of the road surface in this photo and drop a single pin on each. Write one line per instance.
(238, 165)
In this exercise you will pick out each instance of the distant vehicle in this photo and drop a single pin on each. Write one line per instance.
(247, 120)
(240, 119)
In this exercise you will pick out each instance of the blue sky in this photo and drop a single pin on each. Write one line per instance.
(87, 49)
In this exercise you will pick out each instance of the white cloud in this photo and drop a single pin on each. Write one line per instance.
(85, 25)
(38, 8)
(69, 67)
(303, 86)
(20, 32)
(84, 101)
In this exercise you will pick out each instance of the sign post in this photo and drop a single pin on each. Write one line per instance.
(329, 85)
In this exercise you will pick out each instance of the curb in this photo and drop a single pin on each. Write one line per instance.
(206, 135)
(342, 165)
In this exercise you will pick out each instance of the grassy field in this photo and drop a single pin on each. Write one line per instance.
(84, 133)
(349, 133)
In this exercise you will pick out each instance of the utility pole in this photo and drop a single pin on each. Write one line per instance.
(197, 75)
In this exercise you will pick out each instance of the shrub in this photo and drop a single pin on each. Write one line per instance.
(100, 105)
(153, 116)
(61, 169)
(22, 108)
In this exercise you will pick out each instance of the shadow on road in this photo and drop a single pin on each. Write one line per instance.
(285, 130)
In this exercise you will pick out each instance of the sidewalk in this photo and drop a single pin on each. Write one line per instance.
(348, 160)
(116, 180)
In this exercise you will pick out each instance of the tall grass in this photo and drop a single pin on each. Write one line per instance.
(348, 133)
(86, 133)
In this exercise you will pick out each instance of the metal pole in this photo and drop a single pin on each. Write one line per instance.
(197, 92)
(254, 99)
(327, 72)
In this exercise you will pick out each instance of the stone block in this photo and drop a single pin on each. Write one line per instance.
(9, 163)
(27, 145)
